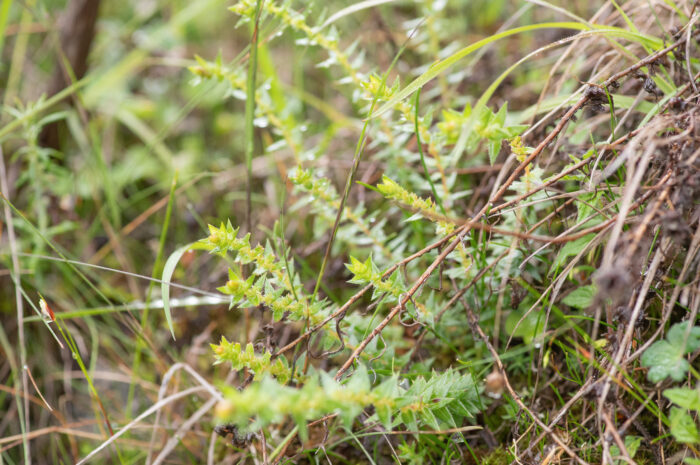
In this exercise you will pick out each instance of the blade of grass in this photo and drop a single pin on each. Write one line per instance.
(613, 32)
(140, 346)
(8, 348)
(282, 446)
(19, 54)
(442, 65)
(483, 100)
(168, 270)
(250, 113)
(359, 6)
(560, 10)
(22, 409)
(68, 338)
(627, 19)
(613, 120)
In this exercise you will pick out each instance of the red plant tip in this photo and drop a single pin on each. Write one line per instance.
(46, 311)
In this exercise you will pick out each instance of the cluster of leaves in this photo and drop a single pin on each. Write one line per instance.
(667, 359)
(359, 229)
(267, 285)
(442, 401)
(484, 126)
(260, 365)
(368, 273)
(272, 282)
(683, 426)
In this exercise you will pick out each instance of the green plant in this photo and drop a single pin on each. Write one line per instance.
(443, 400)
(434, 217)
(226, 351)
(666, 358)
(475, 263)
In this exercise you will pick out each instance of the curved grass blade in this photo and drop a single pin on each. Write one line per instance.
(168, 270)
(442, 65)
(483, 100)
(613, 32)
(354, 9)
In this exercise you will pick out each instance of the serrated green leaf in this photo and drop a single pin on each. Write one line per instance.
(691, 342)
(683, 427)
(664, 360)
(684, 397)
(445, 416)
(429, 418)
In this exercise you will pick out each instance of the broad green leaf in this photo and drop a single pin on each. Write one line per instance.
(632, 444)
(689, 343)
(664, 360)
(581, 298)
(530, 327)
(683, 427)
(587, 208)
(684, 397)
(571, 249)
(666, 357)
